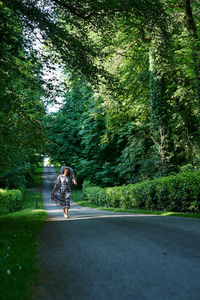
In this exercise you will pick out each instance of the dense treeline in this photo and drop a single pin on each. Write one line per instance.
(131, 107)
(21, 111)
(145, 124)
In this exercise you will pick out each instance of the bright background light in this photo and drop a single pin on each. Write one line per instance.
(54, 75)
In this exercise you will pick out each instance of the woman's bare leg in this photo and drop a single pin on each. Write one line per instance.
(65, 210)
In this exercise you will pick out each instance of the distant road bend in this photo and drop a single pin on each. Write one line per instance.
(106, 255)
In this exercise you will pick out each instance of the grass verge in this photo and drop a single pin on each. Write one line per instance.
(18, 248)
(77, 197)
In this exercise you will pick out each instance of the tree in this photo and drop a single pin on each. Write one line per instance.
(141, 59)
(21, 111)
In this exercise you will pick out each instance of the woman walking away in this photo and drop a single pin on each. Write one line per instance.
(63, 195)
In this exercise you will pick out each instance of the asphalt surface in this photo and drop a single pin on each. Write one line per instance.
(105, 255)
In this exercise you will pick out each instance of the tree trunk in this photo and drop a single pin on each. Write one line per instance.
(159, 108)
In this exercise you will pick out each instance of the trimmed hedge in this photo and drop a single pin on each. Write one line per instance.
(11, 200)
(178, 193)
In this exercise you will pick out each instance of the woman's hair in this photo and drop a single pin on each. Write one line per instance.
(64, 170)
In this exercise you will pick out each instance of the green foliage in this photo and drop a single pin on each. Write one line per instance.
(68, 28)
(22, 110)
(78, 198)
(86, 184)
(138, 118)
(34, 175)
(178, 193)
(75, 136)
(11, 200)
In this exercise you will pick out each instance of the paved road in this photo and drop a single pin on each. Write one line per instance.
(104, 255)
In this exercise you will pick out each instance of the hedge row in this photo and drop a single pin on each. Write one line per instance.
(178, 193)
(11, 200)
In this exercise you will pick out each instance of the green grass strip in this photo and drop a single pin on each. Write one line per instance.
(18, 248)
(77, 197)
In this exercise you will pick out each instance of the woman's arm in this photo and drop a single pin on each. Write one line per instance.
(54, 188)
(74, 179)
(57, 182)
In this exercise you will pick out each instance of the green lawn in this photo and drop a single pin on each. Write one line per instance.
(77, 197)
(18, 248)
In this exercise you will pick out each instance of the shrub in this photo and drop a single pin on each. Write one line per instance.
(92, 194)
(85, 185)
(179, 192)
(11, 200)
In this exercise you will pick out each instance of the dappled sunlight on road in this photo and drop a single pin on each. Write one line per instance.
(76, 212)
(73, 216)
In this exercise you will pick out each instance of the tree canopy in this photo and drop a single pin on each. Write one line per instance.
(132, 78)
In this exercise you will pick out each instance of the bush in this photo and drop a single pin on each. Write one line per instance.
(86, 184)
(179, 193)
(11, 200)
